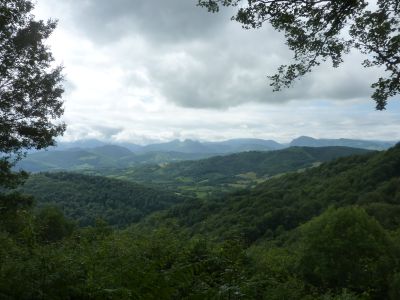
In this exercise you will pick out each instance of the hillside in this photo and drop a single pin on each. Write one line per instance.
(223, 147)
(371, 181)
(306, 141)
(329, 232)
(86, 198)
(90, 155)
(228, 146)
(103, 157)
(218, 174)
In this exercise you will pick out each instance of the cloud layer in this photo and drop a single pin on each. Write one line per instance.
(145, 65)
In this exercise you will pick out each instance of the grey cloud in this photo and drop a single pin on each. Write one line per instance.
(125, 59)
(349, 81)
(201, 60)
(162, 21)
(107, 132)
(235, 72)
(79, 131)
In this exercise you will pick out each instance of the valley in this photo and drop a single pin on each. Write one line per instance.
(156, 150)
(251, 223)
(256, 228)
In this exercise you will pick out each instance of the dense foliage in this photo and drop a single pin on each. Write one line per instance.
(371, 181)
(331, 232)
(30, 88)
(87, 198)
(220, 174)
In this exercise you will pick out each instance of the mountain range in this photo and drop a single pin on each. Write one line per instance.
(229, 146)
(224, 173)
(185, 146)
(329, 230)
(306, 141)
(123, 196)
(94, 154)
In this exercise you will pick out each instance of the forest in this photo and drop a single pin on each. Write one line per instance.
(328, 232)
(195, 200)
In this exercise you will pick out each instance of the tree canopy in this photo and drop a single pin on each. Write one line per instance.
(321, 30)
(30, 85)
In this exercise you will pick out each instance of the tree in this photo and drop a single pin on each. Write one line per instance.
(30, 86)
(321, 30)
(347, 249)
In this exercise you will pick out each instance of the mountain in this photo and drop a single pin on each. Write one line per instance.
(223, 147)
(226, 147)
(103, 157)
(112, 151)
(217, 174)
(329, 232)
(186, 146)
(371, 181)
(72, 159)
(88, 143)
(86, 198)
(306, 141)
(92, 143)
(240, 145)
(84, 155)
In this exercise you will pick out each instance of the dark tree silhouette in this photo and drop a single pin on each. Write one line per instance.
(30, 86)
(321, 30)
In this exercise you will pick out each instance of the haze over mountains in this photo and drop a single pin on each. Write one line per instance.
(185, 146)
(94, 154)
(231, 146)
(258, 213)
(305, 141)
(122, 196)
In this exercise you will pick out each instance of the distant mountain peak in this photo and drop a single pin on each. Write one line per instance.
(112, 151)
(306, 141)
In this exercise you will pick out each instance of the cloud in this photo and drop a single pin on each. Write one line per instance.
(149, 70)
(160, 21)
(279, 122)
(202, 60)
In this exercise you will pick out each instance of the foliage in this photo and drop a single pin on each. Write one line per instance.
(196, 250)
(283, 203)
(346, 248)
(52, 226)
(30, 88)
(86, 198)
(216, 175)
(98, 159)
(318, 31)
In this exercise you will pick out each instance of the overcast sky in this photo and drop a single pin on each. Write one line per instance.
(156, 70)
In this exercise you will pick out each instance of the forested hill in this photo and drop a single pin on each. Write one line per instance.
(262, 163)
(364, 144)
(104, 157)
(225, 173)
(330, 232)
(119, 202)
(85, 198)
(371, 181)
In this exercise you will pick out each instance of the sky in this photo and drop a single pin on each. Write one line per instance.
(146, 71)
